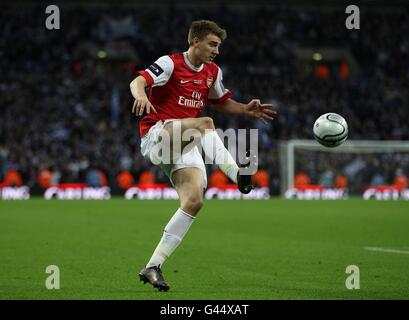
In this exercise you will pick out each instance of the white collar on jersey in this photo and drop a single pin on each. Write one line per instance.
(191, 66)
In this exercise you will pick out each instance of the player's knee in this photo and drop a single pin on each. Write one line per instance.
(206, 123)
(193, 203)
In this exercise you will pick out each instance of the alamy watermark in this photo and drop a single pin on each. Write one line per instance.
(176, 147)
(353, 280)
(353, 20)
(53, 280)
(52, 21)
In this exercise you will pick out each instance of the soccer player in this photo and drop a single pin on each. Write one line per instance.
(180, 85)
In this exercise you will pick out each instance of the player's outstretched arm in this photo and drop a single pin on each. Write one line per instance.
(254, 109)
(142, 102)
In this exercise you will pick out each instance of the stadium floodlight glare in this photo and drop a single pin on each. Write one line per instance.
(101, 54)
(317, 56)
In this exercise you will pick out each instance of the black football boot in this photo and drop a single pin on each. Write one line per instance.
(154, 276)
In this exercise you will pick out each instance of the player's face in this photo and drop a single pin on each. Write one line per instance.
(208, 48)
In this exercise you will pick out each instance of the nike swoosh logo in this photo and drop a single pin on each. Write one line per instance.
(184, 81)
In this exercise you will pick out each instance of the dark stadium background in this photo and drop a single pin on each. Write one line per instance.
(65, 120)
(65, 101)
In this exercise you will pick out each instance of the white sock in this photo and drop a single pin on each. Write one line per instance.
(214, 148)
(174, 232)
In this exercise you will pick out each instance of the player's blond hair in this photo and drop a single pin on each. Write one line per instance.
(201, 28)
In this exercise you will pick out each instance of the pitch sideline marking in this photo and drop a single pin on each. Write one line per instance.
(386, 250)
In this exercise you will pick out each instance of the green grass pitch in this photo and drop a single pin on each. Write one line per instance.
(273, 249)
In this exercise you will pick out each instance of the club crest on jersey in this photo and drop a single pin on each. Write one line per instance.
(209, 82)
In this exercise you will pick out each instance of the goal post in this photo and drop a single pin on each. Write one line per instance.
(305, 152)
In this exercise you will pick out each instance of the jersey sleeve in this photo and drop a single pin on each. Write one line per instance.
(159, 72)
(218, 93)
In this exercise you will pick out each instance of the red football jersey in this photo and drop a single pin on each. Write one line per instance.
(180, 90)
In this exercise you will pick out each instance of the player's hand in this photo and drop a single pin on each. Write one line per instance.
(262, 111)
(142, 104)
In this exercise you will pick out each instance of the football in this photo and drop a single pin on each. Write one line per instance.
(330, 130)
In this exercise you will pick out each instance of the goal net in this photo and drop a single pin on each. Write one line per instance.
(369, 168)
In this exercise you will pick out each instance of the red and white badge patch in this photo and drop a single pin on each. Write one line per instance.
(209, 82)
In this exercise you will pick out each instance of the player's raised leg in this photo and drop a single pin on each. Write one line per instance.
(189, 184)
(203, 130)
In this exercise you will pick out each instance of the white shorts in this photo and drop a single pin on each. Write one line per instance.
(191, 158)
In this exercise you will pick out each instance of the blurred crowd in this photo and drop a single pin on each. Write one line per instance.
(65, 105)
(352, 171)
